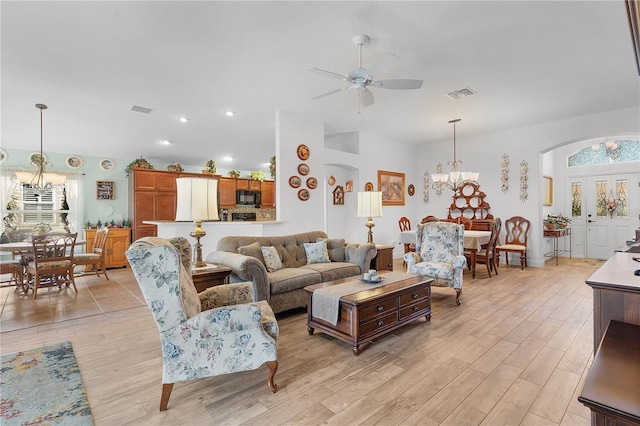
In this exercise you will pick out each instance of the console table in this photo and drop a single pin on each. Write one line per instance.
(555, 234)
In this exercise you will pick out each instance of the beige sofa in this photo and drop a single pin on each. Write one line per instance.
(284, 288)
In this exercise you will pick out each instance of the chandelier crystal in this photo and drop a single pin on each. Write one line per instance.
(455, 178)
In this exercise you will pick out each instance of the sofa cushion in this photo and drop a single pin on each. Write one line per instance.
(271, 258)
(334, 270)
(335, 247)
(253, 250)
(288, 279)
(316, 252)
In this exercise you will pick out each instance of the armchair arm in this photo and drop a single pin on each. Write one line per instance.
(460, 261)
(226, 320)
(361, 254)
(227, 294)
(411, 258)
(245, 268)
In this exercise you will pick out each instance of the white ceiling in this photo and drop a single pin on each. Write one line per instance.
(529, 62)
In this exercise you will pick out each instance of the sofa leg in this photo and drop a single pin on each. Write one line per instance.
(166, 393)
(273, 366)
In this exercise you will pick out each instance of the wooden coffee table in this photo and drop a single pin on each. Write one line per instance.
(369, 314)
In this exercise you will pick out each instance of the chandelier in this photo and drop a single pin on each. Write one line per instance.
(455, 178)
(40, 182)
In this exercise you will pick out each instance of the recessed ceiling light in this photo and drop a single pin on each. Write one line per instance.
(165, 142)
(183, 119)
(230, 113)
(227, 158)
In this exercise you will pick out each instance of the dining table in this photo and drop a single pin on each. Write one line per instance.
(473, 241)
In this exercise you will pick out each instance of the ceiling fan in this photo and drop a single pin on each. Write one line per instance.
(361, 79)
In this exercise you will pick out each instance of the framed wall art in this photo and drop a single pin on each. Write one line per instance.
(105, 189)
(391, 184)
(547, 190)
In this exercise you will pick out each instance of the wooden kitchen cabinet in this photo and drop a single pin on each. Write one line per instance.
(268, 193)
(153, 196)
(227, 190)
(118, 241)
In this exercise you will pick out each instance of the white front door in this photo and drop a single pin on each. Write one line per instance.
(611, 211)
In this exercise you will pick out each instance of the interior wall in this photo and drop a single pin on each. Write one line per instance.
(482, 153)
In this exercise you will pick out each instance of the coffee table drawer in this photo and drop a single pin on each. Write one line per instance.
(378, 323)
(414, 309)
(378, 308)
(409, 298)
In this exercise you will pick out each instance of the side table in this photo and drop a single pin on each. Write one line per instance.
(555, 234)
(383, 261)
(209, 276)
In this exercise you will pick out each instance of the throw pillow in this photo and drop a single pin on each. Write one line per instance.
(335, 247)
(316, 252)
(271, 258)
(253, 250)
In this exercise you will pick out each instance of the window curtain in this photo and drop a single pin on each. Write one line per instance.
(73, 186)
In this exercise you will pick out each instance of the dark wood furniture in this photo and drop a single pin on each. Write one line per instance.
(487, 255)
(612, 386)
(210, 276)
(555, 234)
(616, 294)
(468, 202)
(117, 243)
(383, 261)
(373, 313)
(405, 225)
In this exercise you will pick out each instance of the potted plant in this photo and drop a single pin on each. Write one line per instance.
(138, 163)
(272, 166)
(258, 175)
(175, 167)
(210, 167)
(551, 222)
(234, 173)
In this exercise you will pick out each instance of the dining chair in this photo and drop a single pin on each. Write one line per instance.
(405, 225)
(21, 235)
(14, 268)
(52, 262)
(428, 219)
(516, 230)
(487, 254)
(95, 258)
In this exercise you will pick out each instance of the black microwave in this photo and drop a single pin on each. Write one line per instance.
(246, 197)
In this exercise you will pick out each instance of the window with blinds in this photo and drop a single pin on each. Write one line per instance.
(37, 208)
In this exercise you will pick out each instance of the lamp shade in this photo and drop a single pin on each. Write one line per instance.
(197, 199)
(369, 204)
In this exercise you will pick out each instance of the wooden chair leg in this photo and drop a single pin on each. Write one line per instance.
(273, 367)
(458, 293)
(166, 393)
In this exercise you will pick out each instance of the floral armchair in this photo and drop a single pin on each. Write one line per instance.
(218, 331)
(439, 254)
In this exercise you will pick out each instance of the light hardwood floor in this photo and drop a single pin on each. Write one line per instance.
(515, 352)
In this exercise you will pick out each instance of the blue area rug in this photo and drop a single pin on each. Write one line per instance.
(42, 386)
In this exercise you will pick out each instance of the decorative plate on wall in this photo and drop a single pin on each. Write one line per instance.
(303, 152)
(3, 155)
(36, 159)
(295, 181)
(368, 186)
(411, 189)
(331, 181)
(107, 165)
(303, 169)
(74, 162)
(312, 183)
(304, 194)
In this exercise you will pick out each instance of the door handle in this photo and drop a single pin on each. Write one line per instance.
(590, 221)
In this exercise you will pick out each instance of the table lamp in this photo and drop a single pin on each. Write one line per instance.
(370, 206)
(197, 201)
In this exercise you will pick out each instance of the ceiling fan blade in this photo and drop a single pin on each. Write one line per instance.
(382, 64)
(397, 84)
(329, 74)
(329, 93)
(366, 97)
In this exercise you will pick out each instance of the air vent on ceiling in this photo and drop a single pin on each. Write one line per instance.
(141, 109)
(461, 93)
